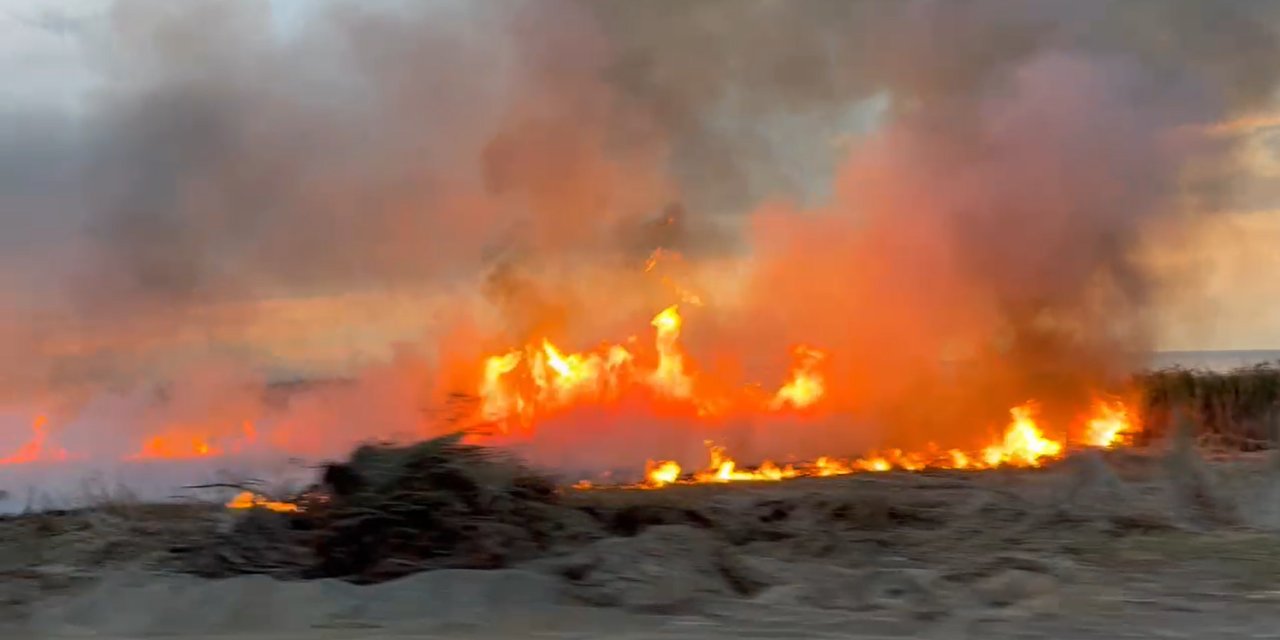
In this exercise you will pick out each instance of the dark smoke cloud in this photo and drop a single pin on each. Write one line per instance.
(1022, 149)
(712, 71)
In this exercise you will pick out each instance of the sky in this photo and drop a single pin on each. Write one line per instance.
(46, 67)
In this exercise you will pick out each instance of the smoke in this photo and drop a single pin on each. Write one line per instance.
(995, 218)
(904, 185)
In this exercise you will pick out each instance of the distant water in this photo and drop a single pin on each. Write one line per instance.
(1214, 360)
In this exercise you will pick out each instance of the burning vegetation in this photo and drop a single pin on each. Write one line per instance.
(821, 305)
(522, 388)
(857, 247)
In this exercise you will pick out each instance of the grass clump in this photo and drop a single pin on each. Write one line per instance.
(1237, 408)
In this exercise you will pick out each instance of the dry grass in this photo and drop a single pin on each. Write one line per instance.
(1238, 409)
(56, 551)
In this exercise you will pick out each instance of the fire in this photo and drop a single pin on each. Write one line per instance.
(251, 500)
(661, 474)
(518, 384)
(524, 384)
(495, 402)
(807, 385)
(176, 446)
(179, 443)
(725, 469)
(36, 449)
(521, 385)
(1023, 444)
(1109, 426)
(670, 377)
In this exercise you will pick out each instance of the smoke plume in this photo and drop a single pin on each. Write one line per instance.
(949, 197)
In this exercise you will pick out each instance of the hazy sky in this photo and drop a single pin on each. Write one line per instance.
(45, 66)
(42, 54)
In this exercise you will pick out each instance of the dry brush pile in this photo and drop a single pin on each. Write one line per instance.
(394, 510)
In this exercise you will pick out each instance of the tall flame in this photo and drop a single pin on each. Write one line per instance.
(806, 385)
(670, 377)
(37, 448)
(495, 402)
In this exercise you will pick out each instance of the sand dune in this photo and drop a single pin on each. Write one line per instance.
(1092, 548)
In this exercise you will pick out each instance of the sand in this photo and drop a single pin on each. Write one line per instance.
(1092, 549)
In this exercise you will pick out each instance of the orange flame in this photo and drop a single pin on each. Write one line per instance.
(806, 385)
(521, 384)
(725, 469)
(670, 377)
(1109, 426)
(661, 473)
(496, 403)
(36, 449)
(181, 443)
(250, 500)
(1023, 444)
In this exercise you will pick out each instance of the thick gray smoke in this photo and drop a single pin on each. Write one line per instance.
(1027, 151)
(741, 85)
(967, 177)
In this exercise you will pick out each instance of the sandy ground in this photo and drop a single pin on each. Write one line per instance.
(1134, 547)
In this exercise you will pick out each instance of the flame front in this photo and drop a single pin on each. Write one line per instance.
(524, 384)
(251, 500)
(1022, 445)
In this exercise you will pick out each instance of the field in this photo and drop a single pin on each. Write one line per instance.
(1174, 537)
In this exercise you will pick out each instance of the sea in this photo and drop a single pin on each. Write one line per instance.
(1214, 360)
